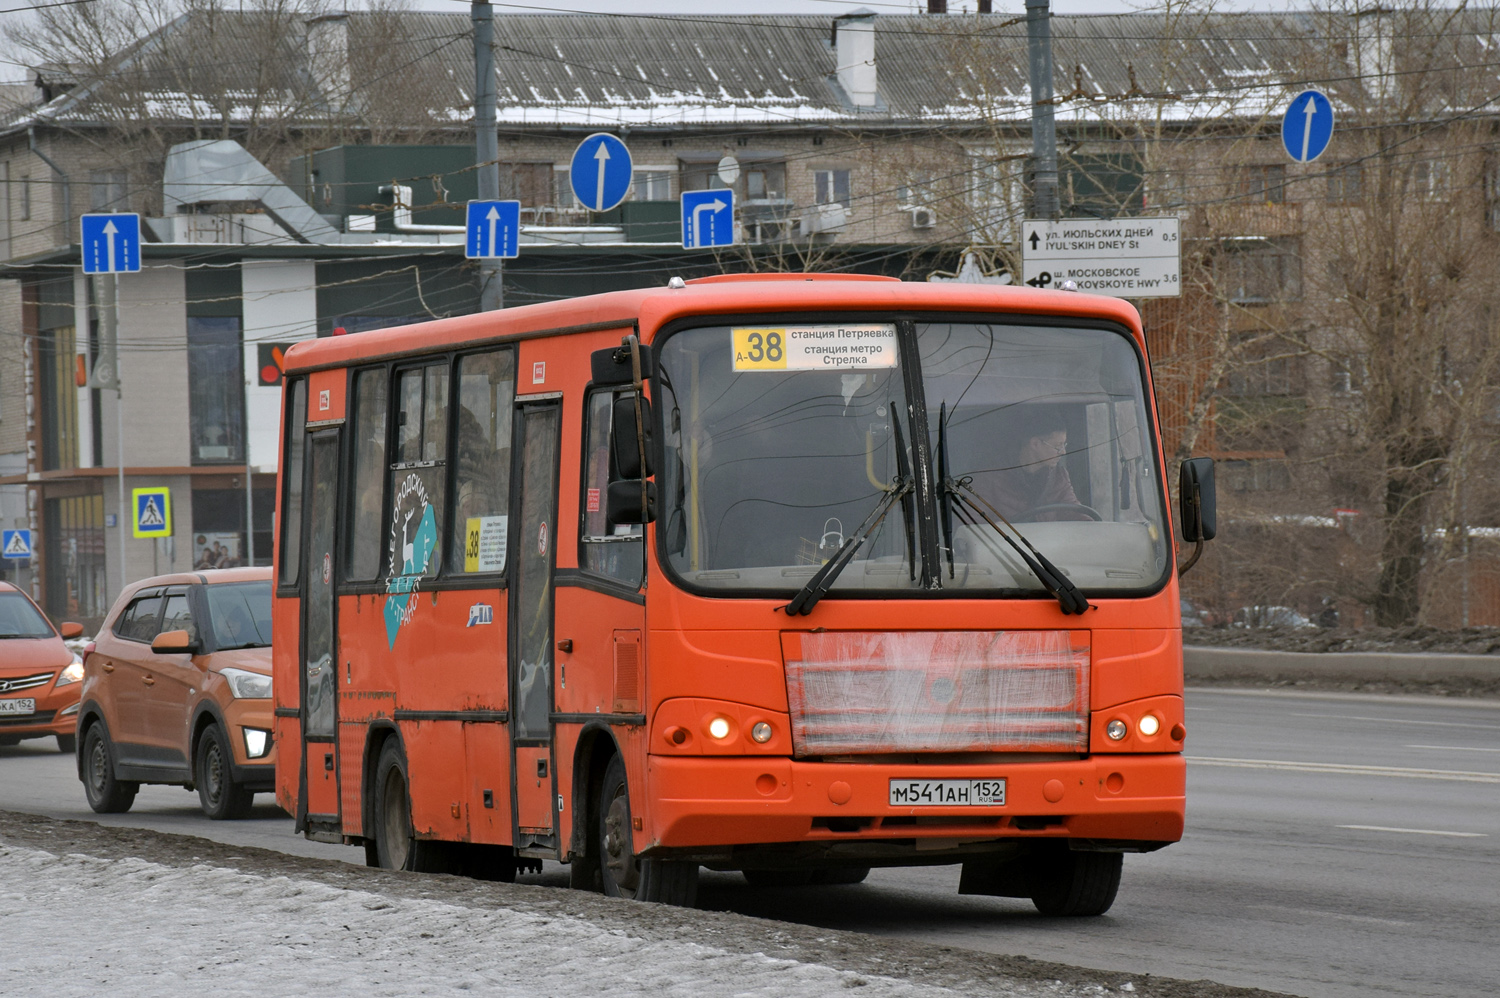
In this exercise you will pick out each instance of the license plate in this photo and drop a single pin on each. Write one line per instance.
(947, 793)
(17, 707)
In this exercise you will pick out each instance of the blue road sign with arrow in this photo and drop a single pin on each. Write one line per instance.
(707, 218)
(600, 172)
(1307, 127)
(111, 243)
(494, 229)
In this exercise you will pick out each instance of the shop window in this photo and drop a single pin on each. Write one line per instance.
(486, 394)
(216, 389)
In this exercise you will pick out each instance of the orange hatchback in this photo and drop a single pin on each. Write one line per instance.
(38, 674)
(177, 690)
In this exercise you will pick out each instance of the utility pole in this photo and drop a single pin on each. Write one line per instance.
(1044, 202)
(486, 142)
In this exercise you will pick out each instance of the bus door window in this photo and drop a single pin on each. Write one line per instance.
(291, 507)
(613, 552)
(367, 497)
(419, 472)
(481, 453)
(317, 635)
(531, 600)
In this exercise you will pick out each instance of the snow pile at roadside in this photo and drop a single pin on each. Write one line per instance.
(80, 925)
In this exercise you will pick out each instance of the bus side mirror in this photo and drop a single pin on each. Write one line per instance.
(622, 504)
(1198, 506)
(629, 460)
(611, 366)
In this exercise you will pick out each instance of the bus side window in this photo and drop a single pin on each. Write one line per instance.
(419, 472)
(367, 498)
(615, 553)
(291, 477)
(481, 451)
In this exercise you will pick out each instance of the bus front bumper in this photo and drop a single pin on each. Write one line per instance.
(700, 806)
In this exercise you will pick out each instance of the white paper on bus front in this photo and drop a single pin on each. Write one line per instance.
(824, 347)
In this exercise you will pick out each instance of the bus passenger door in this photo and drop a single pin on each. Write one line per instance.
(538, 439)
(319, 798)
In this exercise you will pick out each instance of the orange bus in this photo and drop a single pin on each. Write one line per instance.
(786, 574)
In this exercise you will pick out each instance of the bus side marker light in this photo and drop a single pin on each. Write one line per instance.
(839, 792)
(761, 732)
(1116, 729)
(1149, 724)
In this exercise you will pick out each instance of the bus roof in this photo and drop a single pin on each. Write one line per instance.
(730, 294)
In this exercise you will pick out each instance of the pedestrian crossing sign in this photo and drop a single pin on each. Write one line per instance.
(15, 544)
(153, 512)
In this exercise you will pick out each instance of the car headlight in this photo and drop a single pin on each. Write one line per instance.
(257, 742)
(247, 685)
(72, 674)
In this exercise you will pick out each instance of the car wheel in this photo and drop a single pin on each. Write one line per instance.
(219, 795)
(396, 844)
(67, 744)
(626, 875)
(1078, 883)
(106, 795)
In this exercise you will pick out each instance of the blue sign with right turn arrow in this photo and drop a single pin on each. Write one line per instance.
(1308, 126)
(707, 218)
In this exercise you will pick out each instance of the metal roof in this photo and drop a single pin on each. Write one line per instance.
(570, 70)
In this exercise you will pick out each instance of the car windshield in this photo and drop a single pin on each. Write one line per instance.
(19, 618)
(240, 613)
(781, 439)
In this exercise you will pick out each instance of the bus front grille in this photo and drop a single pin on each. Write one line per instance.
(864, 692)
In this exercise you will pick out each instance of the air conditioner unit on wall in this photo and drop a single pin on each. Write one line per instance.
(923, 218)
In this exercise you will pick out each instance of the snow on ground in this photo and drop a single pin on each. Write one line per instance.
(82, 925)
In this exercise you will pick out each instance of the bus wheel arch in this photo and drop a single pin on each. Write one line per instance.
(624, 873)
(375, 738)
(591, 756)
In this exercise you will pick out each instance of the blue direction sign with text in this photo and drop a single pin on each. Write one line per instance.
(600, 172)
(15, 544)
(1308, 126)
(111, 243)
(494, 229)
(707, 218)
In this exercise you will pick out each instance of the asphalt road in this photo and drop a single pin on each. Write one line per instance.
(1337, 846)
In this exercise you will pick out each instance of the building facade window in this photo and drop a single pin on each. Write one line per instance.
(832, 186)
(1260, 271)
(77, 584)
(216, 391)
(109, 190)
(528, 183)
(25, 198)
(1346, 183)
(653, 183)
(1263, 182)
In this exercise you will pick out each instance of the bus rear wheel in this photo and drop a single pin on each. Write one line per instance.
(626, 875)
(396, 844)
(1077, 883)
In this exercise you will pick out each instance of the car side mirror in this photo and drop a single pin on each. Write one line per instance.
(69, 629)
(173, 643)
(613, 365)
(1197, 506)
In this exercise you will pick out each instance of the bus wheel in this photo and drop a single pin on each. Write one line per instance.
(396, 844)
(1077, 883)
(626, 875)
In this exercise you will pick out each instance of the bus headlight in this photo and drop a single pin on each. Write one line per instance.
(761, 732)
(719, 728)
(1116, 729)
(1149, 725)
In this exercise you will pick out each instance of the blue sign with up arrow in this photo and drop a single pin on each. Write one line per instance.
(111, 243)
(707, 218)
(600, 172)
(1307, 127)
(494, 229)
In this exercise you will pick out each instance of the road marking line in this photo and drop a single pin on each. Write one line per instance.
(1400, 720)
(1414, 831)
(1331, 914)
(1454, 748)
(1348, 770)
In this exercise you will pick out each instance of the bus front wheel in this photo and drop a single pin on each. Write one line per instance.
(396, 844)
(625, 874)
(1077, 883)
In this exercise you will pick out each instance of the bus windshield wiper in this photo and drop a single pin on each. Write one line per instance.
(1051, 577)
(817, 587)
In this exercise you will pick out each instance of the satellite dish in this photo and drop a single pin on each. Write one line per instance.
(729, 169)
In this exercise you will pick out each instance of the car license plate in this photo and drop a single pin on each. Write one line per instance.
(18, 707)
(947, 793)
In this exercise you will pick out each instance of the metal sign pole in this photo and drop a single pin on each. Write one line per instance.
(114, 308)
(486, 144)
(1043, 122)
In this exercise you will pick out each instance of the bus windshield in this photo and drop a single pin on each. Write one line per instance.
(782, 440)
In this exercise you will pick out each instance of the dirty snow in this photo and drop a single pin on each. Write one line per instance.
(128, 927)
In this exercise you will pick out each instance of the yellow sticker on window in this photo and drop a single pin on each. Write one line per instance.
(830, 347)
(484, 543)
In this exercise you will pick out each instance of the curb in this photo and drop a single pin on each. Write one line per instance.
(1200, 662)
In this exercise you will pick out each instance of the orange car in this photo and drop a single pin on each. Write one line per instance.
(177, 690)
(38, 674)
